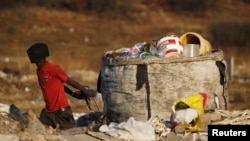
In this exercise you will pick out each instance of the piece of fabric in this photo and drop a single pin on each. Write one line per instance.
(92, 120)
(51, 78)
(62, 118)
(16, 114)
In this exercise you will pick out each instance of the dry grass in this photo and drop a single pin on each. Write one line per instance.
(78, 40)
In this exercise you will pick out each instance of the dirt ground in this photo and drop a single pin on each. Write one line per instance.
(78, 42)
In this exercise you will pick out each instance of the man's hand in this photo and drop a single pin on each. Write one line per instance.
(79, 95)
(89, 92)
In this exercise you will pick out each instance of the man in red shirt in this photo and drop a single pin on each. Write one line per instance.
(51, 77)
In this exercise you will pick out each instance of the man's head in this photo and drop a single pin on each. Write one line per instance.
(37, 52)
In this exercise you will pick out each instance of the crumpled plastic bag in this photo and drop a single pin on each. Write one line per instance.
(185, 116)
(131, 130)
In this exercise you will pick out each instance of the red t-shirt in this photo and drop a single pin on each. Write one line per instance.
(51, 78)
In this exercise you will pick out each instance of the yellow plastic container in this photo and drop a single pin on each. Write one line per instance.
(195, 38)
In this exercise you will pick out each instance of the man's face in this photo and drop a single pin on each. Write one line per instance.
(40, 63)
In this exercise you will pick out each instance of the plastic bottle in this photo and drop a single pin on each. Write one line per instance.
(144, 55)
(127, 52)
(153, 51)
(137, 49)
(160, 52)
(140, 46)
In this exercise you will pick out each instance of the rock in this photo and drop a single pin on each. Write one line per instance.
(208, 118)
(193, 137)
(4, 109)
(161, 130)
(179, 128)
(34, 124)
(172, 137)
(9, 137)
(27, 136)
